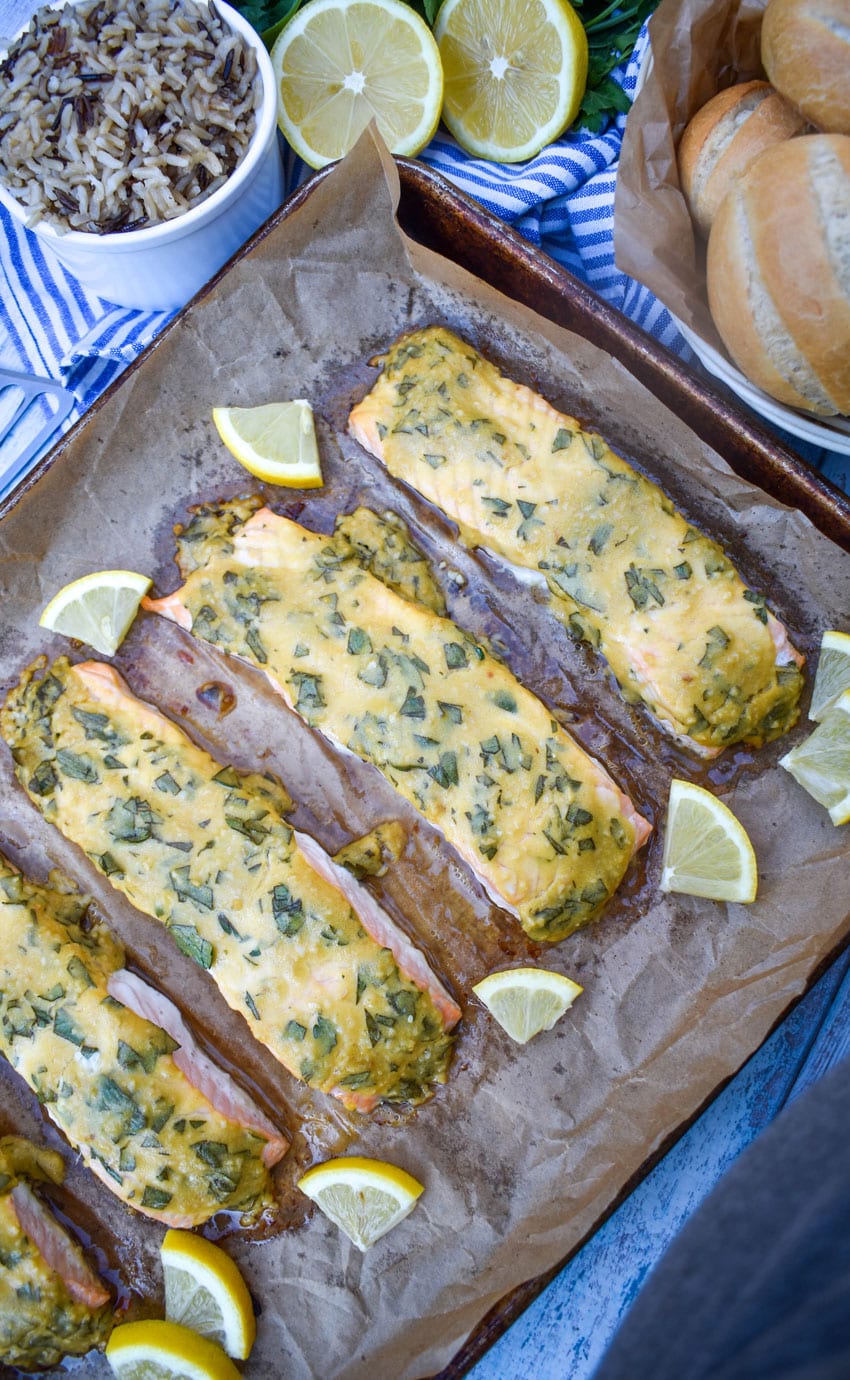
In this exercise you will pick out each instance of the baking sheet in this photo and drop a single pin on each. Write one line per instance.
(525, 1149)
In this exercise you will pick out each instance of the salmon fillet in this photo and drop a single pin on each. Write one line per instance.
(626, 572)
(52, 1303)
(324, 977)
(543, 826)
(123, 1092)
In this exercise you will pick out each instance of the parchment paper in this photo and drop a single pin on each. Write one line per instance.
(699, 47)
(526, 1148)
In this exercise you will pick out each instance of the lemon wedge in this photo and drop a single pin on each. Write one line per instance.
(276, 442)
(340, 63)
(821, 763)
(515, 72)
(364, 1198)
(97, 609)
(833, 673)
(707, 851)
(157, 1350)
(526, 1000)
(205, 1291)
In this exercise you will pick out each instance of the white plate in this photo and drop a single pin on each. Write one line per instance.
(833, 433)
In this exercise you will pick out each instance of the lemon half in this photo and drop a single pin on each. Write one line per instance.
(157, 1350)
(526, 1000)
(340, 63)
(707, 851)
(515, 72)
(821, 763)
(365, 1198)
(276, 441)
(97, 609)
(205, 1291)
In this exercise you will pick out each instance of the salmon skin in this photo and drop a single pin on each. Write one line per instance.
(542, 825)
(174, 1145)
(52, 1303)
(323, 976)
(626, 572)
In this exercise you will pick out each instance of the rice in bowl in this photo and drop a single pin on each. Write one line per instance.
(119, 116)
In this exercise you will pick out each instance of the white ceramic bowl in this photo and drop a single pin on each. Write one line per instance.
(162, 266)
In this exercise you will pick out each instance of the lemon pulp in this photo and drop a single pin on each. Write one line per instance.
(515, 72)
(97, 609)
(526, 1001)
(205, 1292)
(341, 63)
(707, 851)
(821, 763)
(365, 1198)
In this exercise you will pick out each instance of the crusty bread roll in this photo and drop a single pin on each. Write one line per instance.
(724, 137)
(779, 273)
(805, 48)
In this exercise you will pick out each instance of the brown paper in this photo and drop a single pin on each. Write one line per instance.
(526, 1148)
(698, 47)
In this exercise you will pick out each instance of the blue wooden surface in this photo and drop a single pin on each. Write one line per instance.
(564, 1333)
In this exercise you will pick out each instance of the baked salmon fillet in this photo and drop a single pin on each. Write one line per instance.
(542, 825)
(117, 1070)
(52, 1303)
(324, 977)
(626, 572)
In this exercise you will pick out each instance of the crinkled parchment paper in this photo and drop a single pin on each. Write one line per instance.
(526, 1148)
(699, 47)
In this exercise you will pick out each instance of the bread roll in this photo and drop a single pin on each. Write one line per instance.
(779, 273)
(724, 137)
(805, 48)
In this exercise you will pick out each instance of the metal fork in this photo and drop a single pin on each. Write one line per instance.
(21, 419)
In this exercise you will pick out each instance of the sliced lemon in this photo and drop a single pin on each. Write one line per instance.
(364, 1198)
(97, 609)
(707, 851)
(276, 442)
(157, 1350)
(526, 1000)
(821, 763)
(340, 63)
(205, 1291)
(833, 673)
(514, 71)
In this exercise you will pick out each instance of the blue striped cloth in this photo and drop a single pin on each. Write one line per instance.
(562, 201)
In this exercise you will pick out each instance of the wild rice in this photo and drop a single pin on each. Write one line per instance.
(115, 116)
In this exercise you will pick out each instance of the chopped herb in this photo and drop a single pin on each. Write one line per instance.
(43, 781)
(358, 641)
(76, 765)
(166, 783)
(563, 439)
(155, 1198)
(455, 656)
(130, 821)
(413, 706)
(192, 944)
(66, 1028)
(188, 890)
(445, 772)
(288, 910)
(293, 1030)
(324, 1033)
(77, 969)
